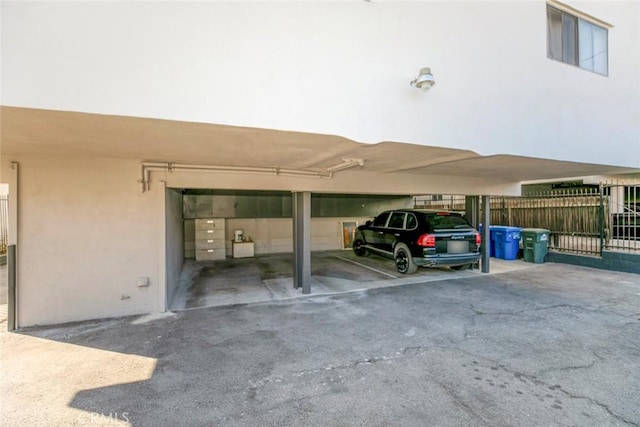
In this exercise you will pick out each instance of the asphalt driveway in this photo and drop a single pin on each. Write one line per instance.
(550, 345)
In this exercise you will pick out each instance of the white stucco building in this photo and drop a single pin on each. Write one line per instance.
(273, 96)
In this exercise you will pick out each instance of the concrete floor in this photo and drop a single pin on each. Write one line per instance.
(548, 345)
(270, 277)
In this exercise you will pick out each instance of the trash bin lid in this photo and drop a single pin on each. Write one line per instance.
(535, 230)
(537, 234)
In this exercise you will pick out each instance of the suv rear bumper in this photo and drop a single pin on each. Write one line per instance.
(446, 259)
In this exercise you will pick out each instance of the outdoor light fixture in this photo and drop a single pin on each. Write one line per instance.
(424, 80)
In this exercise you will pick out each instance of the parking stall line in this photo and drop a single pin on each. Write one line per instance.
(384, 273)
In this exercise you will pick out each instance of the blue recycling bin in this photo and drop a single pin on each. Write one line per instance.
(506, 241)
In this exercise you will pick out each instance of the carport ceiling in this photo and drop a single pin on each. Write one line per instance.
(34, 131)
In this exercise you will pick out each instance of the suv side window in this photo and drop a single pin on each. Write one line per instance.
(381, 220)
(412, 222)
(397, 220)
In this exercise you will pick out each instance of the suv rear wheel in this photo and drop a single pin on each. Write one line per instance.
(404, 260)
(359, 248)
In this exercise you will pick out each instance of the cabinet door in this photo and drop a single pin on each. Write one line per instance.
(210, 234)
(209, 224)
(210, 254)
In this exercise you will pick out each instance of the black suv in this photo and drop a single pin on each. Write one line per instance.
(417, 238)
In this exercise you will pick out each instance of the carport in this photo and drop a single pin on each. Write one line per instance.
(175, 155)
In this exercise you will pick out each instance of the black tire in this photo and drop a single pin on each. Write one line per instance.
(404, 260)
(461, 267)
(359, 248)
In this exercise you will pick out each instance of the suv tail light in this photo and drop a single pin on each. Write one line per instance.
(478, 239)
(427, 240)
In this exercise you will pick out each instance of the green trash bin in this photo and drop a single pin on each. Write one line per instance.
(535, 244)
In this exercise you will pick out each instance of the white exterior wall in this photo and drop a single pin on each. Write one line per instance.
(335, 67)
(86, 234)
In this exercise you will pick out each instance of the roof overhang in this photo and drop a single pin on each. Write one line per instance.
(35, 131)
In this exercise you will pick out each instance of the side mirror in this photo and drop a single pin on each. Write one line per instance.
(368, 223)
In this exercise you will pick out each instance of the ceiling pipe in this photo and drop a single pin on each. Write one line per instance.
(147, 167)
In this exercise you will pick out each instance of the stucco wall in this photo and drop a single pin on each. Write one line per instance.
(86, 234)
(340, 68)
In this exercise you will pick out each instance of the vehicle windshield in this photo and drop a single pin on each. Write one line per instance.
(447, 221)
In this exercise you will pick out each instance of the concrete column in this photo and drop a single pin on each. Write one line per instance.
(302, 241)
(162, 236)
(486, 240)
(13, 252)
(11, 291)
(294, 213)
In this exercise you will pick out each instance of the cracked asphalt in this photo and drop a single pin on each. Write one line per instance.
(551, 345)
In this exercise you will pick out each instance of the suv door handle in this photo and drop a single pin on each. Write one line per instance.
(396, 234)
(380, 232)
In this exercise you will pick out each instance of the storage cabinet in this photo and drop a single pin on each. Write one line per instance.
(242, 249)
(210, 243)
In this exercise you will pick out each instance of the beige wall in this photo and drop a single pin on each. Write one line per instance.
(86, 234)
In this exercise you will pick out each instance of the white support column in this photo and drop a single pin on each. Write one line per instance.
(13, 256)
(162, 273)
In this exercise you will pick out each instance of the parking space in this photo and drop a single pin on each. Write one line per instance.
(550, 344)
(270, 277)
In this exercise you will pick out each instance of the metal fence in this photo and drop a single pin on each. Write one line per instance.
(582, 221)
(4, 224)
(623, 221)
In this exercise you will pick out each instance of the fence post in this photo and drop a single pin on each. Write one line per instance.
(601, 219)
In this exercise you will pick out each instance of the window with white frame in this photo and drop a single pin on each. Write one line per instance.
(577, 41)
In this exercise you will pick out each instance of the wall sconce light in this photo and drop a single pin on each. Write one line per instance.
(424, 80)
